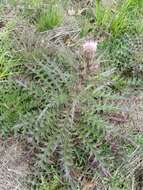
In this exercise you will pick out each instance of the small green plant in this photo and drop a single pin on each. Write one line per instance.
(53, 185)
(51, 17)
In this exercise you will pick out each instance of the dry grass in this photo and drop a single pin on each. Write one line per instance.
(12, 169)
(134, 126)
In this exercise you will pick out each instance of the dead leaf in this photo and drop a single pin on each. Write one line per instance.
(79, 12)
(89, 186)
(71, 12)
(2, 24)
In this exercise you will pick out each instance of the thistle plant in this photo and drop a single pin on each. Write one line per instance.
(64, 124)
(125, 54)
(70, 124)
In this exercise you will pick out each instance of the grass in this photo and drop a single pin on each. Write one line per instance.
(103, 15)
(74, 117)
(120, 19)
(6, 59)
(51, 17)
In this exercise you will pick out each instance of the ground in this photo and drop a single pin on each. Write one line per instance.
(13, 168)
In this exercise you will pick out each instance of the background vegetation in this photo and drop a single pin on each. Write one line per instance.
(77, 125)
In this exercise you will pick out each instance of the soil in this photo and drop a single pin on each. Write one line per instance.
(13, 169)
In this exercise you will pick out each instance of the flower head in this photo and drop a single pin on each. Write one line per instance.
(89, 48)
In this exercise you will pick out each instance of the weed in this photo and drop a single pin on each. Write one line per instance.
(53, 185)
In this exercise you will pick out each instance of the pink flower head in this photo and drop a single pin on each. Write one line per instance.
(89, 48)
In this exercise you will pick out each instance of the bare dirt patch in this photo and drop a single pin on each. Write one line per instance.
(13, 169)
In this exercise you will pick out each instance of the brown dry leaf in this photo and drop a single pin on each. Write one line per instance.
(67, 39)
(2, 24)
(79, 12)
(89, 186)
(71, 12)
(88, 2)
